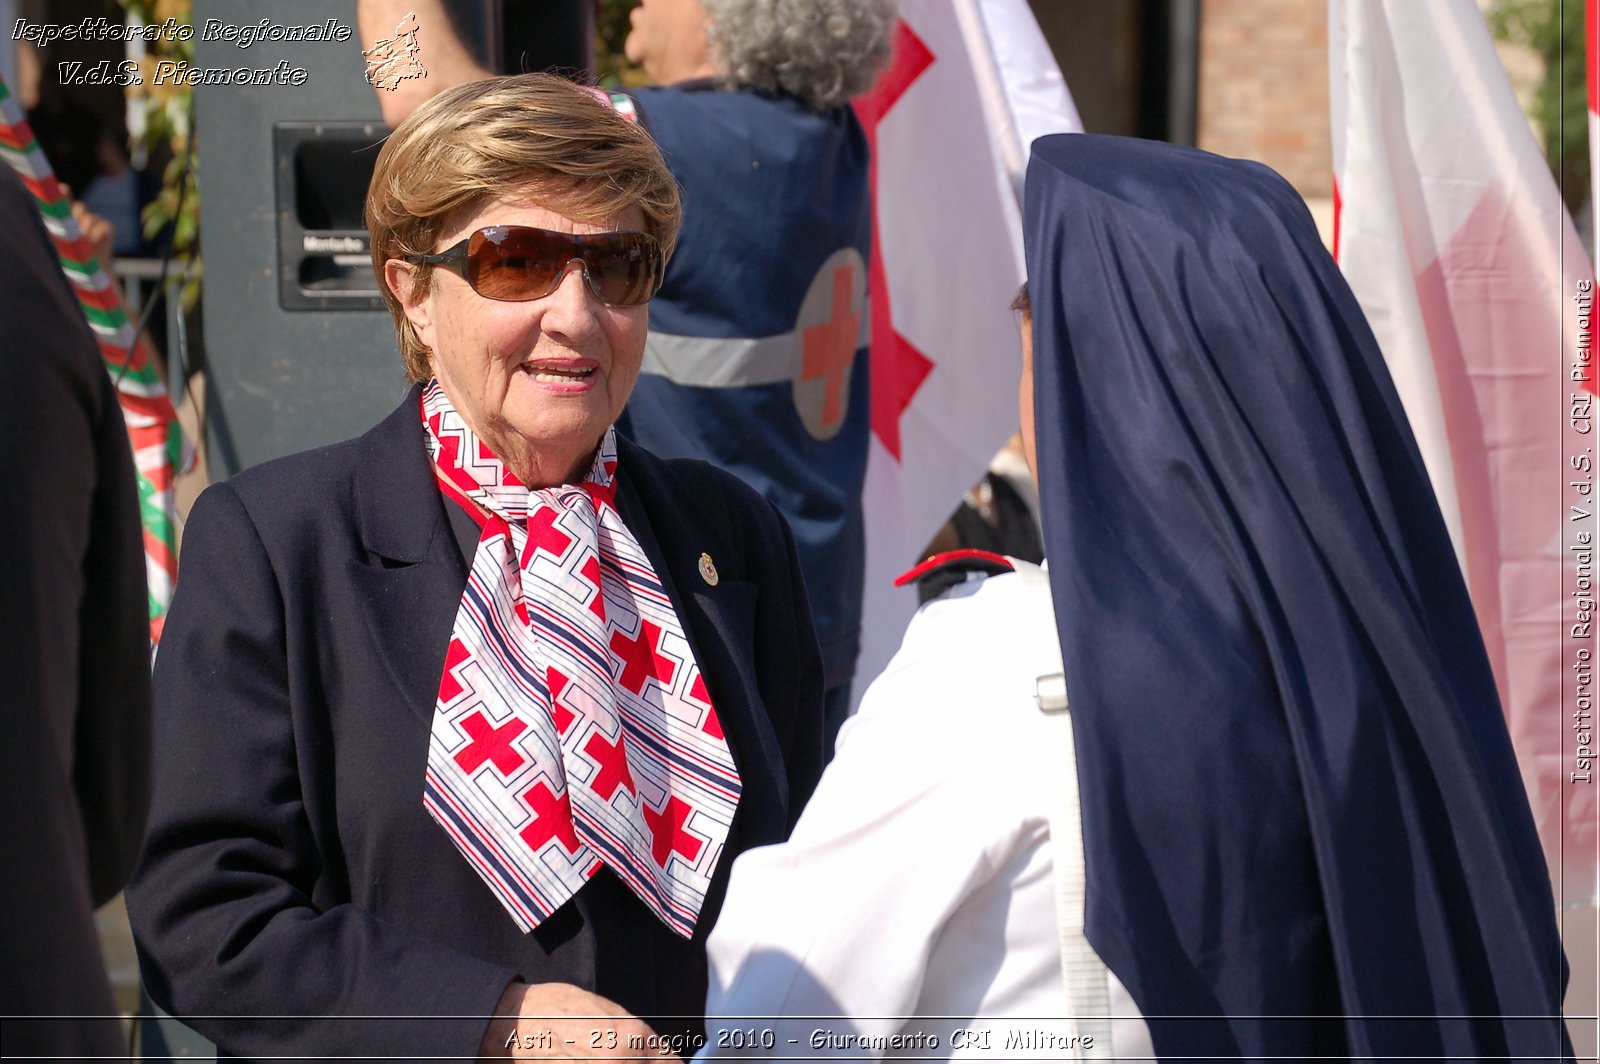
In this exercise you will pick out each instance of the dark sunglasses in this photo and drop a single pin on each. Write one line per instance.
(515, 263)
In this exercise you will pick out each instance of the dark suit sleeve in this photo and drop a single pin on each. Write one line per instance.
(222, 906)
(74, 659)
(111, 750)
(790, 676)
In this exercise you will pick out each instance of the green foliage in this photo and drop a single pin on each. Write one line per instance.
(611, 29)
(169, 132)
(1554, 29)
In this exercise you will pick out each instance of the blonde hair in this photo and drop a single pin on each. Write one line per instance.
(528, 135)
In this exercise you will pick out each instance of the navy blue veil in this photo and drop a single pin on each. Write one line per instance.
(1303, 823)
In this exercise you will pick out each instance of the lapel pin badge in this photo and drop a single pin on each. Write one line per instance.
(708, 570)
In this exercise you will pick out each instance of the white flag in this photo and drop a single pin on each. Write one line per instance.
(972, 83)
(1591, 50)
(1452, 233)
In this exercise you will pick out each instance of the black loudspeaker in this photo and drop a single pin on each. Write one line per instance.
(299, 348)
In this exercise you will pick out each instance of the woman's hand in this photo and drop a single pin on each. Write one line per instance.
(558, 1021)
(96, 231)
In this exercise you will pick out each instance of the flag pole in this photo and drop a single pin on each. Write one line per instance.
(153, 429)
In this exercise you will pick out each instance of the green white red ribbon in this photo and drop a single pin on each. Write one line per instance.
(153, 429)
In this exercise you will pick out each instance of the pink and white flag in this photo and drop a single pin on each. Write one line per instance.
(1591, 50)
(1451, 231)
(972, 83)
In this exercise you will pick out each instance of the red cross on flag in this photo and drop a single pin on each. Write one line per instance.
(972, 83)
(1453, 236)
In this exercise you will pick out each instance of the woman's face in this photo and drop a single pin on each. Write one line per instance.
(539, 381)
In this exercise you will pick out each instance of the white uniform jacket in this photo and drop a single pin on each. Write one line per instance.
(912, 912)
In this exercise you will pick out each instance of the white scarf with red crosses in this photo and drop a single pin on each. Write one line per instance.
(572, 725)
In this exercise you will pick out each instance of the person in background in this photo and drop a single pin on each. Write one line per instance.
(462, 722)
(757, 355)
(89, 157)
(75, 763)
(117, 193)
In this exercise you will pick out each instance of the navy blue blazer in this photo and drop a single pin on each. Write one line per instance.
(291, 875)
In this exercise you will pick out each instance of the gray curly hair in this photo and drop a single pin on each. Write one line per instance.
(824, 52)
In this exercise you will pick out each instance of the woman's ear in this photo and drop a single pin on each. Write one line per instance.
(401, 278)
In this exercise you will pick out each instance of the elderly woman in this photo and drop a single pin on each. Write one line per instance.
(475, 710)
(754, 119)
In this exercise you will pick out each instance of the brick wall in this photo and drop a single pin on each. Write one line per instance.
(1264, 87)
